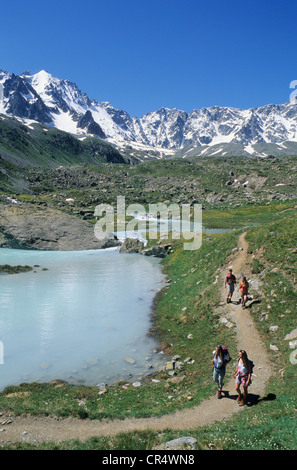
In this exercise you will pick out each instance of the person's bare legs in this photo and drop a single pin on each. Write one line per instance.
(237, 388)
(244, 396)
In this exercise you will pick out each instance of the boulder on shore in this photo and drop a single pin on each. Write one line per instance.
(132, 245)
(159, 251)
(41, 228)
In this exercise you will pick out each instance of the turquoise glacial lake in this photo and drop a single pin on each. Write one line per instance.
(82, 317)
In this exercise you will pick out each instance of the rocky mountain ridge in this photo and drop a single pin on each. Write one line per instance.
(270, 129)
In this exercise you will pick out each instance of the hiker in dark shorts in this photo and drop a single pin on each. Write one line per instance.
(230, 283)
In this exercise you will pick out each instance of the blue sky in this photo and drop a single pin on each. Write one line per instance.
(143, 55)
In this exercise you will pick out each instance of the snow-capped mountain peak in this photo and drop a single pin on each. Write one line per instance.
(60, 103)
(42, 82)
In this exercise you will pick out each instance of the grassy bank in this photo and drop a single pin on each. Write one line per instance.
(248, 216)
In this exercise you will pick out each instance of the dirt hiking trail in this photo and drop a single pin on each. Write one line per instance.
(44, 429)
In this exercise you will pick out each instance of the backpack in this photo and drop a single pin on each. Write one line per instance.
(231, 279)
(252, 365)
(226, 353)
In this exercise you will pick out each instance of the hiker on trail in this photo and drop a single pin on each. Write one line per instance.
(221, 357)
(243, 287)
(242, 376)
(230, 282)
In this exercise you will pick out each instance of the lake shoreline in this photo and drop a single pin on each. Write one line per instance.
(152, 331)
(141, 297)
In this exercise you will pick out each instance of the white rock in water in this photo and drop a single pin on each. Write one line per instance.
(129, 360)
(136, 384)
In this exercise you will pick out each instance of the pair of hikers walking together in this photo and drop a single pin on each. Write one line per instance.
(230, 284)
(242, 374)
(221, 356)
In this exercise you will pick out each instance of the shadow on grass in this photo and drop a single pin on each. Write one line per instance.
(253, 400)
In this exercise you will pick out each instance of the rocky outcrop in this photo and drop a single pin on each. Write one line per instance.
(87, 122)
(132, 245)
(23, 101)
(41, 228)
(159, 251)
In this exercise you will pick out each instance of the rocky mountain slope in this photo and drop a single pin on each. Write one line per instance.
(36, 145)
(59, 103)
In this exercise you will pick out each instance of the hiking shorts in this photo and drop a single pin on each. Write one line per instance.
(230, 287)
(241, 379)
(218, 376)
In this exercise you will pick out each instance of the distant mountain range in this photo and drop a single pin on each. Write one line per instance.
(267, 130)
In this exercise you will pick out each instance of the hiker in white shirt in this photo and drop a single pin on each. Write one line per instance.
(242, 376)
(221, 357)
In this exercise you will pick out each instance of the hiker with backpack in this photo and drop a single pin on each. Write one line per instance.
(220, 359)
(243, 376)
(230, 283)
